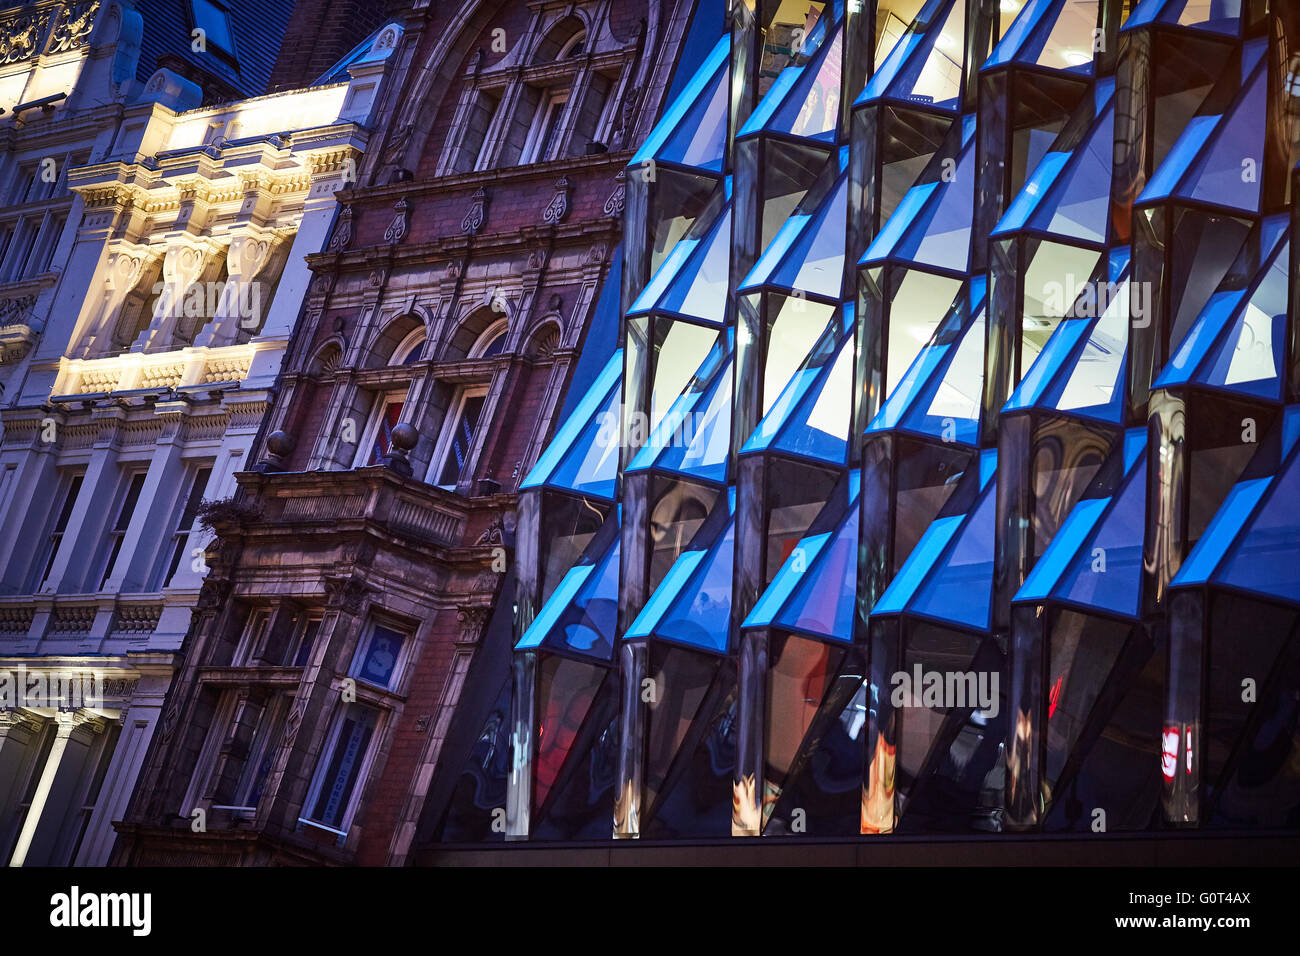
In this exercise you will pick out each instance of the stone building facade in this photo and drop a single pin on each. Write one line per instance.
(135, 389)
(367, 549)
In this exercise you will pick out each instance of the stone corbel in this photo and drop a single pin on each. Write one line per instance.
(241, 304)
(183, 263)
(125, 267)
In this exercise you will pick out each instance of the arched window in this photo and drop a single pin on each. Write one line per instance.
(409, 349)
(491, 342)
(574, 47)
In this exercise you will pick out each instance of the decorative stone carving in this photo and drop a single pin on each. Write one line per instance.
(614, 204)
(401, 223)
(345, 594)
(491, 534)
(558, 207)
(342, 235)
(73, 27)
(477, 215)
(471, 620)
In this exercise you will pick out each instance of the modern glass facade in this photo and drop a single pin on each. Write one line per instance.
(943, 478)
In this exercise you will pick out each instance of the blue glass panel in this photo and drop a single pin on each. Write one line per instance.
(819, 427)
(925, 65)
(686, 438)
(581, 615)
(1050, 361)
(960, 589)
(1068, 192)
(792, 572)
(1107, 571)
(918, 565)
(1093, 385)
(814, 262)
(939, 395)
(668, 588)
(1219, 16)
(700, 616)
(1238, 340)
(694, 283)
(690, 112)
(579, 457)
(823, 602)
(814, 106)
(1080, 202)
(1218, 537)
(939, 234)
(555, 605)
(700, 443)
(1064, 546)
(1249, 356)
(1042, 36)
(949, 408)
(1218, 175)
(1266, 556)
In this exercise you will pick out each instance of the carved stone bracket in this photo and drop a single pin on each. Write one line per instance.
(401, 223)
(614, 204)
(341, 238)
(558, 207)
(477, 215)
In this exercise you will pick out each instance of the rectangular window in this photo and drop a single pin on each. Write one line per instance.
(458, 439)
(542, 134)
(377, 440)
(102, 755)
(185, 525)
(46, 564)
(214, 21)
(478, 143)
(117, 533)
(20, 250)
(254, 631)
(48, 244)
(304, 641)
(245, 793)
(378, 656)
(339, 768)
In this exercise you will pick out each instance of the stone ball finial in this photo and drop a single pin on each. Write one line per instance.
(404, 436)
(279, 443)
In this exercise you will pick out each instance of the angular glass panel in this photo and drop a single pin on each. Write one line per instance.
(1107, 571)
(566, 689)
(921, 303)
(1266, 557)
(693, 128)
(692, 282)
(1220, 16)
(966, 569)
(818, 426)
(807, 254)
(924, 66)
(1052, 33)
(699, 445)
(583, 455)
(692, 605)
(813, 108)
(684, 349)
(825, 596)
(796, 328)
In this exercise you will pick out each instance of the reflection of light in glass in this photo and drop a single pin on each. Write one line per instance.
(1076, 57)
(1009, 6)
(1169, 753)
(946, 41)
